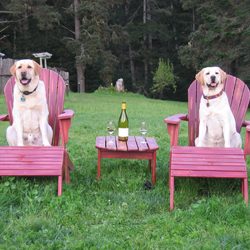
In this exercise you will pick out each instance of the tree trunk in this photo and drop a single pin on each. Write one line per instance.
(132, 65)
(150, 42)
(193, 19)
(130, 51)
(145, 44)
(25, 27)
(80, 67)
(149, 17)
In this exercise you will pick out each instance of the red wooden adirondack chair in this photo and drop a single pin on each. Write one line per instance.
(192, 161)
(41, 161)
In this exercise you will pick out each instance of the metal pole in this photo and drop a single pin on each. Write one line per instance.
(41, 62)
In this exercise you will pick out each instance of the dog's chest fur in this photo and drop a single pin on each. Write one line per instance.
(30, 110)
(215, 116)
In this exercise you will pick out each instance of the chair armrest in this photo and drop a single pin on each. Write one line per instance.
(176, 119)
(4, 117)
(173, 124)
(64, 124)
(245, 123)
(67, 113)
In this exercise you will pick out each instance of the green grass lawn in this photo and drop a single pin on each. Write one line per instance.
(117, 212)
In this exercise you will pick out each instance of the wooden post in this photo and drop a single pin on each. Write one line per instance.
(5, 72)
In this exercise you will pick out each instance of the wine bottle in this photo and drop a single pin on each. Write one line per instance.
(123, 124)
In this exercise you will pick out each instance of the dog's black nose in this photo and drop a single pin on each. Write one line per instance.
(213, 78)
(23, 74)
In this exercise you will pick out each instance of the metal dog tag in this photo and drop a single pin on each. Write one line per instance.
(22, 99)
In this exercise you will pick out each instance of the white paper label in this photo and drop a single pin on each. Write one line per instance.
(123, 132)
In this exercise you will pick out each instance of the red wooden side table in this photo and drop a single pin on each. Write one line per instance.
(135, 148)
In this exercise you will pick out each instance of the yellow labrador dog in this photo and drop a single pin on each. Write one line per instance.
(30, 110)
(217, 126)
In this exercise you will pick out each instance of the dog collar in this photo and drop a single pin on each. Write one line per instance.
(212, 97)
(27, 93)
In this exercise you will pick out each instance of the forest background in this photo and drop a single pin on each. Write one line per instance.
(99, 41)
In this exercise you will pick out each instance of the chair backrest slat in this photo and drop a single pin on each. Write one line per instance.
(229, 87)
(55, 89)
(238, 96)
(193, 95)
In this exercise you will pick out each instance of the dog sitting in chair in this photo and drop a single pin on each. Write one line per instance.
(30, 110)
(217, 126)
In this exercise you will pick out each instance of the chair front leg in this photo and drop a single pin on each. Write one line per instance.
(171, 191)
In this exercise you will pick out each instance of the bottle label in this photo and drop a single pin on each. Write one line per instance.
(123, 132)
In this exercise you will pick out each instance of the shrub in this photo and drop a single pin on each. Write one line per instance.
(163, 78)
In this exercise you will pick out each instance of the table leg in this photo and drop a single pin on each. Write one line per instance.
(99, 165)
(153, 168)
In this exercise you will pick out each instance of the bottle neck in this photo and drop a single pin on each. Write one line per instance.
(123, 106)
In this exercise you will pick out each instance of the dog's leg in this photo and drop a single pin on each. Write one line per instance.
(50, 133)
(19, 129)
(202, 133)
(226, 134)
(44, 131)
(11, 136)
(236, 141)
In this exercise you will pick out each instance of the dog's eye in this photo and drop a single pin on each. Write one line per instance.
(207, 73)
(217, 73)
(19, 67)
(29, 67)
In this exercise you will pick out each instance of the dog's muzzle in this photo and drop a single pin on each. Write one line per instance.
(24, 80)
(213, 84)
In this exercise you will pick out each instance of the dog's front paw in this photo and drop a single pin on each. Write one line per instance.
(46, 144)
(20, 144)
(197, 142)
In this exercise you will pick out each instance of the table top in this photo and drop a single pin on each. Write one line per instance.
(134, 143)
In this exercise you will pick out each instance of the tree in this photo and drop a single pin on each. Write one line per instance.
(92, 38)
(163, 78)
(221, 37)
(25, 19)
(80, 65)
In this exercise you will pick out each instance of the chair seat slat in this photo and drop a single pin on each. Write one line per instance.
(208, 174)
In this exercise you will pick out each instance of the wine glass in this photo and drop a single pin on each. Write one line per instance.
(143, 130)
(110, 129)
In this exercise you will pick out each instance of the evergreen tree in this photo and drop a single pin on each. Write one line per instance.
(92, 38)
(125, 38)
(221, 37)
(163, 78)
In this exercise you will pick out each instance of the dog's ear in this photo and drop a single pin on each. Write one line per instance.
(37, 68)
(13, 69)
(223, 76)
(199, 77)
